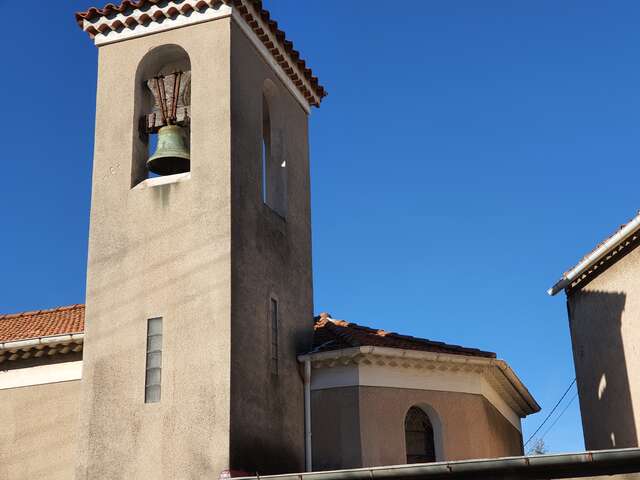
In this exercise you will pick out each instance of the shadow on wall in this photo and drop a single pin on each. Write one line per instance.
(601, 368)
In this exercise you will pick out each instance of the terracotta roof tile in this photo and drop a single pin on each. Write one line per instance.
(330, 334)
(125, 7)
(42, 323)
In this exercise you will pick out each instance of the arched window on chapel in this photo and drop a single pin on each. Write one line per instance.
(419, 441)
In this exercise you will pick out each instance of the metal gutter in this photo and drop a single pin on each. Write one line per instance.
(566, 465)
(596, 255)
(44, 341)
(308, 448)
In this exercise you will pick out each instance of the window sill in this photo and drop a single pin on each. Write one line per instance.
(166, 180)
(273, 212)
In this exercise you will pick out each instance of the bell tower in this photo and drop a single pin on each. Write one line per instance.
(199, 282)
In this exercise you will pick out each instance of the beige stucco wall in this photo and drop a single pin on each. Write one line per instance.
(162, 251)
(38, 431)
(271, 256)
(605, 333)
(369, 431)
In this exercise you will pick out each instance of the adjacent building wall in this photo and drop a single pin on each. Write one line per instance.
(371, 429)
(38, 431)
(605, 333)
(163, 251)
(271, 258)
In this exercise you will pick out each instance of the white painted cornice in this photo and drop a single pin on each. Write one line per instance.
(40, 375)
(154, 19)
(495, 371)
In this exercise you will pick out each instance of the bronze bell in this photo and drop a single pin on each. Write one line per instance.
(171, 155)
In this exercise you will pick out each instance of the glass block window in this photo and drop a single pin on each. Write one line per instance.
(154, 361)
(273, 315)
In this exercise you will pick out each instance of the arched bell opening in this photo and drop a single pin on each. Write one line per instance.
(162, 140)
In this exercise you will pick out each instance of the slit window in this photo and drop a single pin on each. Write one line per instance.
(266, 151)
(265, 154)
(273, 161)
(273, 315)
(153, 374)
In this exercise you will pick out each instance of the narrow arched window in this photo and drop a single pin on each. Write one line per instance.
(419, 439)
(274, 162)
(266, 150)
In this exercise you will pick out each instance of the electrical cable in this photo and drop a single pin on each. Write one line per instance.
(555, 421)
(551, 412)
(560, 415)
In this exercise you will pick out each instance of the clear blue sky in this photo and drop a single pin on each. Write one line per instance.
(467, 154)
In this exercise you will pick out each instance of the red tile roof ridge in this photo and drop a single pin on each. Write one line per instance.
(349, 334)
(50, 322)
(31, 313)
(130, 5)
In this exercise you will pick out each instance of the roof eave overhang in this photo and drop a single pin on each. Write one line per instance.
(25, 349)
(598, 254)
(500, 368)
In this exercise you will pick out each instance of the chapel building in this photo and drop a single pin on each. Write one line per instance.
(196, 353)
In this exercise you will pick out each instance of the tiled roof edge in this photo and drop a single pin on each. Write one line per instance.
(294, 59)
(324, 318)
(602, 249)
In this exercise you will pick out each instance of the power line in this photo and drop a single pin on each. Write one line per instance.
(556, 420)
(560, 415)
(551, 412)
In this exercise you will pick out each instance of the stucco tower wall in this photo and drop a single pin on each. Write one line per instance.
(271, 257)
(605, 333)
(163, 251)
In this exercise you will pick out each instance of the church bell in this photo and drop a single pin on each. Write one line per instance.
(171, 155)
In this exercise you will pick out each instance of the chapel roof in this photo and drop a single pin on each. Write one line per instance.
(129, 14)
(331, 334)
(42, 323)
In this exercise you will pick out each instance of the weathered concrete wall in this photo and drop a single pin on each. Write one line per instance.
(162, 251)
(38, 431)
(271, 256)
(466, 426)
(605, 333)
(335, 426)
